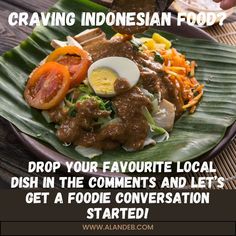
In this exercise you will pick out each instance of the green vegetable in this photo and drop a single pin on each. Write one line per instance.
(152, 123)
(85, 97)
(155, 106)
(136, 43)
(72, 111)
(85, 89)
(75, 93)
(158, 58)
(109, 107)
(148, 94)
(102, 103)
(72, 99)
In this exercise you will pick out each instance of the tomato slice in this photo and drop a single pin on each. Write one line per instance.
(47, 86)
(77, 60)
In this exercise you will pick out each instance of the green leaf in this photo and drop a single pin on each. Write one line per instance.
(158, 58)
(85, 89)
(193, 135)
(103, 105)
(72, 111)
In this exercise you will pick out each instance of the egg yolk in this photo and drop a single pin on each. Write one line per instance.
(102, 81)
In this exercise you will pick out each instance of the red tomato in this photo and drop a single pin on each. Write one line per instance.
(77, 60)
(47, 86)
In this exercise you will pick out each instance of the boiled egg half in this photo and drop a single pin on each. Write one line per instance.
(103, 74)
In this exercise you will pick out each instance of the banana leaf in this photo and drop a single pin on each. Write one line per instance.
(193, 135)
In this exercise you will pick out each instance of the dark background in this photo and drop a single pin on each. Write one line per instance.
(13, 155)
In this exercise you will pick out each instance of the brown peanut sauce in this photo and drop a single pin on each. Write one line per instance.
(152, 77)
(130, 131)
(121, 86)
(131, 128)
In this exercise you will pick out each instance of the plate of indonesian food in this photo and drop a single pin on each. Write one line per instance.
(99, 95)
(124, 92)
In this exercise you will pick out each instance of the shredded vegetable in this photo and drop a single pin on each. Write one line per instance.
(152, 123)
(182, 73)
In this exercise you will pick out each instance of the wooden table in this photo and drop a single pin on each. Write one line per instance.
(13, 155)
(10, 147)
